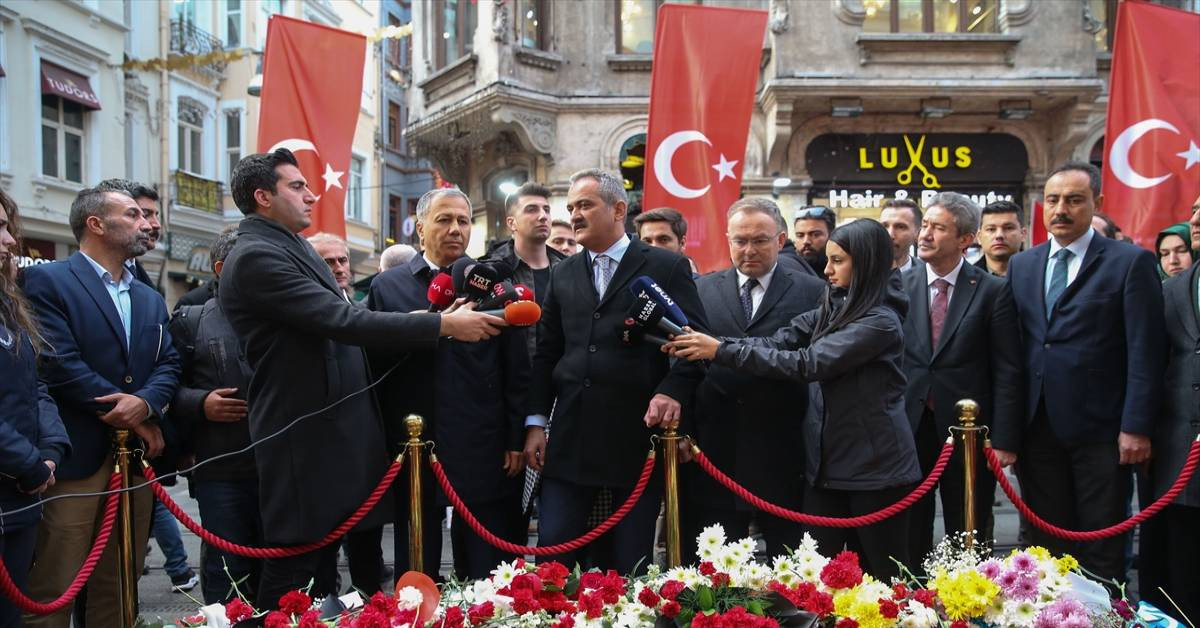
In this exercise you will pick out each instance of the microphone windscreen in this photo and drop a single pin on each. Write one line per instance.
(503, 269)
(478, 283)
(441, 291)
(522, 313)
(458, 271)
(503, 293)
(646, 312)
(646, 285)
(524, 292)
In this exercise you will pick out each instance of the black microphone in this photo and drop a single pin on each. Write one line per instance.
(648, 313)
(631, 333)
(458, 272)
(647, 286)
(503, 293)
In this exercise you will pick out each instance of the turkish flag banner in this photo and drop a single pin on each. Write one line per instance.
(706, 63)
(1151, 157)
(312, 87)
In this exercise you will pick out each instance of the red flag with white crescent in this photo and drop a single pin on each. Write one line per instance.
(1152, 141)
(706, 63)
(312, 87)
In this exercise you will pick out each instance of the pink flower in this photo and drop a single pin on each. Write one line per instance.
(990, 569)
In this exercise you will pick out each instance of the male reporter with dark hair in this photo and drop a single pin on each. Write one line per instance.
(750, 426)
(303, 341)
(605, 396)
(472, 397)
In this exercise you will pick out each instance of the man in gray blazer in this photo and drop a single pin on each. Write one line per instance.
(749, 426)
(960, 340)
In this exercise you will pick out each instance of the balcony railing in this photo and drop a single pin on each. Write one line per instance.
(187, 39)
(197, 192)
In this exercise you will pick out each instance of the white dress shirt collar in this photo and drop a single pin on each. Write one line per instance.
(614, 252)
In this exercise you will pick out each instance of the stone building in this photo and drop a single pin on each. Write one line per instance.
(985, 96)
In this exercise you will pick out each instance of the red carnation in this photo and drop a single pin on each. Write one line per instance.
(406, 617)
(295, 602)
(566, 621)
(671, 609)
(591, 604)
(311, 619)
(928, 597)
(453, 618)
(524, 602)
(842, 572)
(899, 591)
(649, 598)
(553, 573)
(277, 619)
(707, 568)
(591, 580)
(846, 622)
(527, 581)
(480, 613)
(888, 608)
(959, 623)
(671, 589)
(553, 602)
(372, 617)
(720, 579)
(237, 610)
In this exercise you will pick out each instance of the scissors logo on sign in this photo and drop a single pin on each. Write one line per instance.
(905, 177)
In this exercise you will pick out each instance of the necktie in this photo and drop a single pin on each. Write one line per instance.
(604, 273)
(747, 300)
(937, 309)
(1058, 279)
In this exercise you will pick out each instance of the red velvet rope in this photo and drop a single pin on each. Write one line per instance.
(829, 522)
(545, 550)
(23, 602)
(275, 552)
(1185, 475)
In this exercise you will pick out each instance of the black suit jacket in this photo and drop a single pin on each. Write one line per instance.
(750, 426)
(1098, 362)
(978, 354)
(598, 387)
(86, 356)
(304, 343)
(1180, 418)
(471, 395)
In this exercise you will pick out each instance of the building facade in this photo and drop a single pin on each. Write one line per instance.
(857, 99)
(180, 127)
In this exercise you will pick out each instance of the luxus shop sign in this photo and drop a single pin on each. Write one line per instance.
(927, 161)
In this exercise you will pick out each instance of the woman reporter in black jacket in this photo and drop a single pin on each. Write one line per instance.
(32, 437)
(859, 446)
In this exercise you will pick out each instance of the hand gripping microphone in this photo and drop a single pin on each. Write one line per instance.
(646, 286)
(519, 313)
(440, 293)
(650, 315)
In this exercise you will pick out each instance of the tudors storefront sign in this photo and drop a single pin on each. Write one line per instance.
(861, 170)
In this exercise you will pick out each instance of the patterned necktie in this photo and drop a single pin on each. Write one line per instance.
(604, 272)
(1058, 279)
(747, 300)
(937, 309)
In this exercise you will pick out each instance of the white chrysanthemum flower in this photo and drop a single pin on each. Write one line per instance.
(729, 559)
(783, 564)
(408, 598)
(1018, 614)
(711, 539)
(504, 573)
(807, 544)
(653, 570)
(756, 576)
(747, 546)
(916, 615)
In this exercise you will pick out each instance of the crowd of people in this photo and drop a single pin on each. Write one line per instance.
(821, 373)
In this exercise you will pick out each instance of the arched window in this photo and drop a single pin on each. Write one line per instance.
(633, 166)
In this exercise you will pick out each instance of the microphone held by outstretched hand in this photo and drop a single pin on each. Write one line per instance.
(440, 293)
(649, 314)
(648, 287)
(518, 313)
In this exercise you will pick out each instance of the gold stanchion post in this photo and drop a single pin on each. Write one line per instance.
(415, 425)
(968, 411)
(670, 443)
(125, 548)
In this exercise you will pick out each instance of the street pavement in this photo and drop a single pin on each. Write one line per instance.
(158, 603)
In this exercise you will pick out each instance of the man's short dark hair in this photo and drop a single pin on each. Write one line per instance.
(663, 214)
(223, 244)
(89, 202)
(529, 188)
(1004, 207)
(904, 203)
(257, 172)
(1110, 227)
(559, 222)
(134, 189)
(817, 212)
(1092, 172)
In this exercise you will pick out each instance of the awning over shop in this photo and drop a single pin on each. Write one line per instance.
(67, 84)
